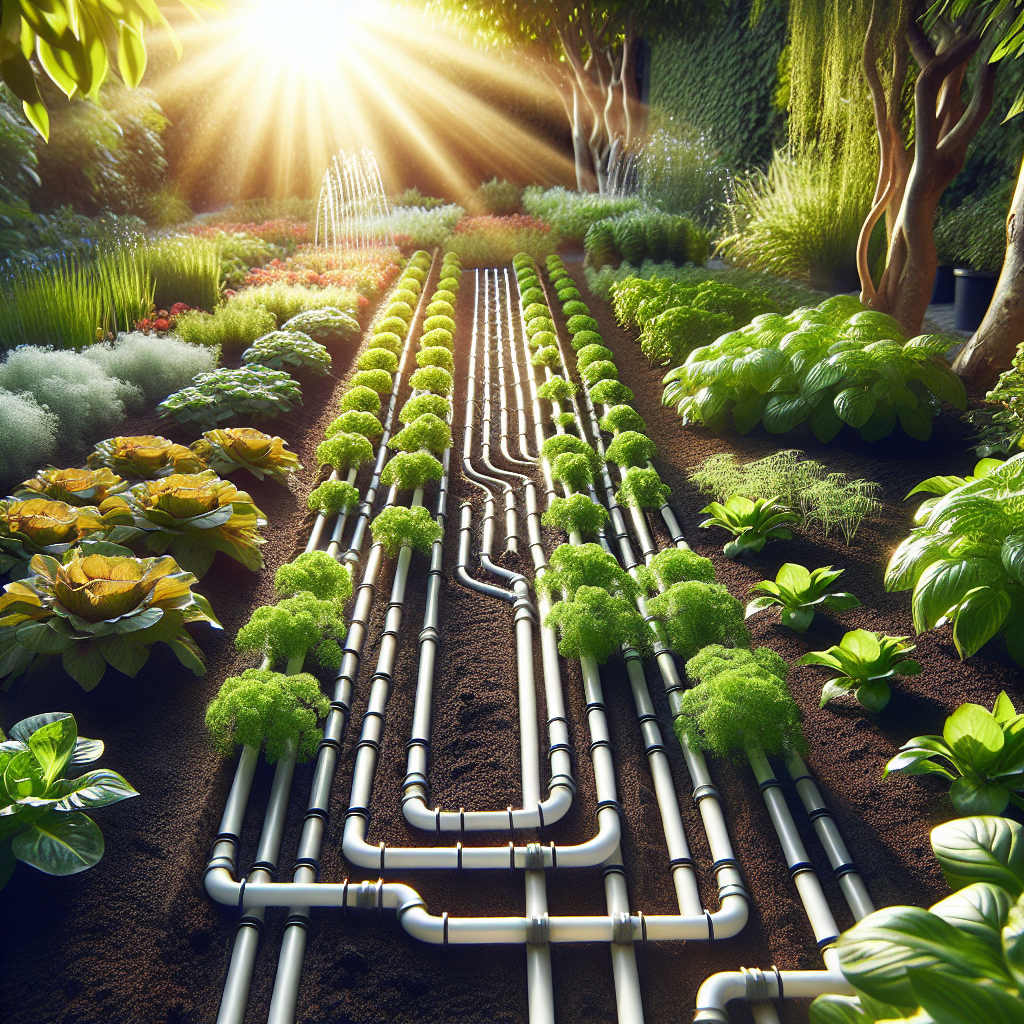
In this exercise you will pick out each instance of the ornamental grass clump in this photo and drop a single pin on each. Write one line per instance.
(316, 573)
(436, 355)
(250, 392)
(409, 470)
(575, 514)
(694, 614)
(428, 432)
(263, 455)
(97, 610)
(193, 516)
(229, 327)
(269, 710)
(295, 628)
(378, 359)
(144, 457)
(435, 379)
(557, 389)
(333, 496)
(360, 399)
(436, 404)
(676, 565)
(642, 488)
(343, 451)
(72, 486)
(399, 527)
(376, 380)
(355, 422)
(621, 418)
(631, 449)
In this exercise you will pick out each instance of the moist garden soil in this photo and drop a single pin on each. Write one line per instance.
(136, 939)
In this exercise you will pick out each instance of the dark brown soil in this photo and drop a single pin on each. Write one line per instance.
(136, 938)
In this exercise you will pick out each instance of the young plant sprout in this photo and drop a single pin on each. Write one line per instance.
(261, 708)
(799, 592)
(343, 451)
(355, 422)
(360, 399)
(410, 470)
(575, 514)
(694, 614)
(596, 624)
(676, 565)
(397, 527)
(426, 431)
(263, 455)
(631, 449)
(642, 488)
(333, 496)
(752, 523)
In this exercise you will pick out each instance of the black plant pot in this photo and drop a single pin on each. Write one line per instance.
(943, 290)
(974, 291)
(835, 279)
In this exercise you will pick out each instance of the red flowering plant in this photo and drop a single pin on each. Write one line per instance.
(368, 272)
(160, 321)
(285, 231)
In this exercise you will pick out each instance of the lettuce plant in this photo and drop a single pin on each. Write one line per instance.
(72, 486)
(694, 614)
(557, 389)
(434, 379)
(798, 593)
(427, 431)
(603, 369)
(575, 514)
(981, 752)
(376, 380)
(865, 662)
(582, 323)
(261, 708)
(42, 819)
(567, 295)
(631, 448)
(96, 610)
(566, 420)
(965, 562)
(562, 444)
(193, 516)
(610, 392)
(676, 565)
(333, 496)
(403, 310)
(389, 342)
(642, 488)
(360, 399)
(620, 418)
(548, 356)
(436, 355)
(596, 624)
(535, 306)
(437, 338)
(397, 527)
(144, 457)
(293, 628)
(438, 307)
(378, 359)
(581, 339)
(391, 325)
(543, 339)
(575, 471)
(343, 451)
(573, 307)
(591, 354)
(445, 323)
(316, 573)
(355, 422)
(263, 455)
(409, 470)
(955, 962)
(752, 523)
(326, 326)
(435, 404)
(572, 566)
(289, 350)
(673, 335)
(538, 324)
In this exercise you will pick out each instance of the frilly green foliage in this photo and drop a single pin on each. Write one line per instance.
(642, 488)
(411, 469)
(355, 422)
(573, 307)
(261, 707)
(386, 340)
(403, 310)
(620, 418)
(436, 355)
(572, 566)
(529, 280)
(575, 513)
(695, 614)
(328, 324)
(438, 307)
(591, 354)
(562, 444)
(444, 295)
(406, 295)
(741, 703)
(317, 573)
(572, 470)
(603, 369)
(376, 380)
(632, 449)
(444, 323)
(676, 565)
(535, 307)
(567, 294)
(378, 359)
(415, 407)
(542, 339)
(671, 336)
(434, 379)
(285, 350)
(426, 431)
(391, 325)
(293, 628)
(610, 392)
(532, 297)
(333, 496)
(342, 451)
(437, 338)
(557, 389)
(398, 526)
(411, 284)
(581, 339)
(596, 624)
(565, 420)
(360, 399)
(582, 322)
(548, 356)
(539, 323)
(416, 272)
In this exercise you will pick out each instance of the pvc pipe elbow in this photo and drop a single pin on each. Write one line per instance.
(597, 850)
(731, 917)
(355, 847)
(221, 886)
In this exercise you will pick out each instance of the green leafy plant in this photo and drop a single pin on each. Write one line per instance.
(436, 355)
(391, 325)
(231, 326)
(583, 338)
(438, 307)
(285, 350)
(798, 593)
(543, 339)
(752, 523)
(579, 323)
(670, 337)
(1000, 420)
(263, 455)
(676, 565)
(566, 420)
(575, 471)
(557, 389)
(562, 444)
(79, 487)
(192, 516)
(437, 405)
(445, 323)
(286, 301)
(437, 338)
(694, 614)
(642, 488)
(378, 359)
(144, 457)
(333, 496)
(540, 324)
(981, 752)
(642, 234)
(398, 527)
(343, 451)
(620, 418)
(403, 310)
(610, 392)
(573, 307)
(409, 470)
(316, 573)
(389, 342)
(293, 628)
(575, 514)
(434, 379)
(547, 356)
(940, 485)
(965, 562)
(427, 431)
(865, 661)
(956, 961)
(261, 708)
(572, 566)
(326, 325)
(95, 610)
(355, 422)
(360, 399)
(42, 819)
(603, 369)
(596, 624)
(591, 354)
(377, 380)
(631, 448)
(250, 392)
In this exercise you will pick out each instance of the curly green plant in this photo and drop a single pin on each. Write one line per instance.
(642, 488)
(865, 662)
(436, 355)
(144, 457)
(289, 350)
(355, 422)
(548, 356)
(96, 610)
(434, 379)
(572, 566)
(581, 339)
(574, 471)
(376, 380)
(535, 306)
(41, 809)
(591, 354)
(387, 341)
(444, 323)
(293, 629)
(582, 323)
(631, 449)
(610, 392)
(316, 573)
(79, 487)
(438, 307)
(573, 307)
(596, 624)
(254, 392)
(262, 708)
(391, 325)
(752, 523)
(543, 339)
(409, 470)
(192, 516)
(562, 444)
(360, 399)
(621, 418)
(333, 496)
(437, 338)
(575, 514)
(403, 310)
(694, 614)
(557, 389)
(344, 451)
(325, 325)
(428, 432)
(566, 420)
(437, 405)
(676, 565)
(798, 593)
(603, 369)
(532, 296)
(567, 295)
(399, 527)
(538, 324)
(263, 455)
(378, 359)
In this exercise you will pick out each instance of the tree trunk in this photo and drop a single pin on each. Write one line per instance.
(579, 144)
(995, 342)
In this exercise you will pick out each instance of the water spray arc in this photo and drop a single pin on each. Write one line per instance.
(352, 210)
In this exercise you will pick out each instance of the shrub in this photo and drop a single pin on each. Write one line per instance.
(355, 422)
(294, 627)
(676, 565)
(438, 337)
(642, 488)
(426, 431)
(438, 307)
(396, 527)
(610, 392)
(603, 369)
(378, 359)
(491, 241)
(29, 434)
(360, 399)
(333, 496)
(695, 614)
(410, 470)
(269, 710)
(224, 451)
(591, 354)
(572, 566)
(576, 513)
(391, 325)
(498, 197)
(388, 341)
(557, 389)
(674, 334)
(326, 325)
(406, 295)
(288, 350)
(548, 356)
(631, 449)
(596, 624)
(156, 366)
(436, 355)
(416, 407)
(342, 451)
(575, 308)
(434, 379)
(285, 301)
(583, 338)
(621, 418)
(376, 380)
(231, 326)
(317, 573)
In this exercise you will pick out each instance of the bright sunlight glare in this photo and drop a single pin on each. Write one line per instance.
(295, 31)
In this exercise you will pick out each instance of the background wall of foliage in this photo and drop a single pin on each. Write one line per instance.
(723, 80)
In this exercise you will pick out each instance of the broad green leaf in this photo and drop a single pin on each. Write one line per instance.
(974, 736)
(85, 664)
(23, 778)
(981, 849)
(954, 1000)
(980, 910)
(980, 618)
(1012, 556)
(797, 619)
(1013, 942)
(825, 423)
(841, 601)
(917, 422)
(783, 412)
(834, 688)
(969, 797)
(759, 604)
(53, 745)
(881, 424)
(1003, 709)
(97, 788)
(747, 414)
(855, 406)
(60, 844)
(862, 644)
(912, 557)
(131, 55)
(936, 485)
(39, 638)
(793, 576)
(944, 584)
(838, 1010)
(874, 695)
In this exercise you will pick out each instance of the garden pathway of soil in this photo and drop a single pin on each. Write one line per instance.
(137, 940)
